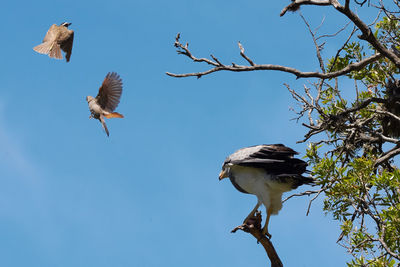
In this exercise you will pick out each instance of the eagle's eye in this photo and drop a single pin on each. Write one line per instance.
(224, 172)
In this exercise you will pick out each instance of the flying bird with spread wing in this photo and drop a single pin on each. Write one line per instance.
(57, 38)
(103, 105)
(266, 171)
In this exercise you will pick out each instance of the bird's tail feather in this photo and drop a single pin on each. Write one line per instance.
(104, 125)
(43, 48)
(55, 51)
(113, 115)
(49, 48)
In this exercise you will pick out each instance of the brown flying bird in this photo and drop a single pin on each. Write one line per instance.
(106, 100)
(57, 38)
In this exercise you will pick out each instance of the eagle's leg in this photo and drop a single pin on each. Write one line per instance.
(265, 229)
(252, 212)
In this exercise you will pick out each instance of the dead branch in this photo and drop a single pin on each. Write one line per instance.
(305, 193)
(314, 198)
(343, 46)
(318, 48)
(388, 155)
(366, 35)
(295, 5)
(218, 66)
(253, 226)
(333, 34)
(243, 55)
(362, 105)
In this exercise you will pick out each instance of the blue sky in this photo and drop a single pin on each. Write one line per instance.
(149, 194)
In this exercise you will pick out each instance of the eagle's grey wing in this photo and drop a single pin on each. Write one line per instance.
(66, 46)
(275, 166)
(110, 92)
(275, 159)
(51, 34)
(276, 151)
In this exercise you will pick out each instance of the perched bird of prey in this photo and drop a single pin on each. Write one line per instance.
(266, 171)
(106, 100)
(57, 38)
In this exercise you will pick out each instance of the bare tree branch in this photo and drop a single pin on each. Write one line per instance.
(343, 46)
(317, 47)
(305, 193)
(334, 34)
(253, 226)
(366, 35)
(314, 198)
(244, 56)
(295, 5)
(388, 155)
(183, 49)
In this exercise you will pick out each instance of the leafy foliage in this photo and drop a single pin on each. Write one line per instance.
(360, 179)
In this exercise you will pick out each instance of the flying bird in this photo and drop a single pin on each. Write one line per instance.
(57, 38)
(266, 171)
(107, 100)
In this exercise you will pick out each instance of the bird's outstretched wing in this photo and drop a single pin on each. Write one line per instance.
(66, 46)
(110, 92)
(275, 159)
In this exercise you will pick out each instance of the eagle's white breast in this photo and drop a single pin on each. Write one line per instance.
(257, 182)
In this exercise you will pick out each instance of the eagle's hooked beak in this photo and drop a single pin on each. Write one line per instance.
(223, 174)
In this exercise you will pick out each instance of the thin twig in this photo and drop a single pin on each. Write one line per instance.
(244, 56)
(305, 193)
(317, 47)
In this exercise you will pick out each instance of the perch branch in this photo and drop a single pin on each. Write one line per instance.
(253, 226)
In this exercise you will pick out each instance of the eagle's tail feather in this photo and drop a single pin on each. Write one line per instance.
(307, 180)
(296, 179)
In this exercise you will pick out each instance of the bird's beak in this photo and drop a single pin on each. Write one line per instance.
(222, 175)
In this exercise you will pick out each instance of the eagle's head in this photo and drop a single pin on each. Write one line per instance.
(89, 98)
(226, 171)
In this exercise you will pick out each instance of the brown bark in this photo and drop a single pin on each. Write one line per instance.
(253, 226)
